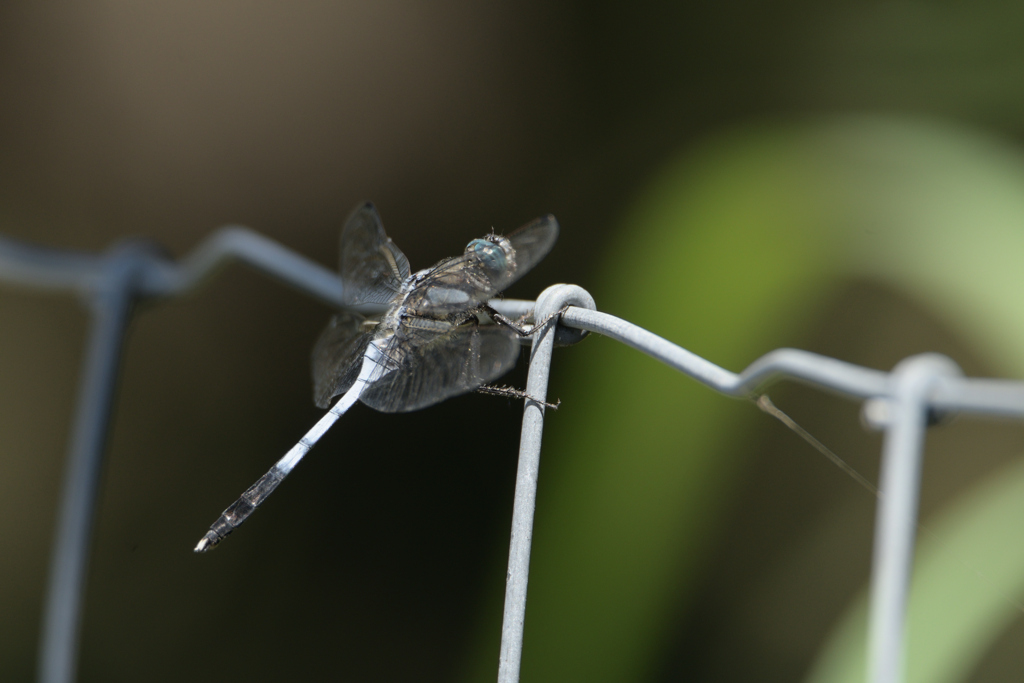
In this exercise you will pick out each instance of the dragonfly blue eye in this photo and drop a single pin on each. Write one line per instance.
(492, 256)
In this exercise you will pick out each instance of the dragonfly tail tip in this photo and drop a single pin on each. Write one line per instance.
(210, 540)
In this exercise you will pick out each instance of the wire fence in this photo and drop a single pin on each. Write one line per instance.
(899, 403)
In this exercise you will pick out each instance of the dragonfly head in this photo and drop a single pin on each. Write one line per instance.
(495, 253)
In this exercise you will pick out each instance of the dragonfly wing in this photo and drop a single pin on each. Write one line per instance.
(372, 267)
(337, 356)
(442, 366)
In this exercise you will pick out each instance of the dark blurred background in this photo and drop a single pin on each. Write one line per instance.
(382, 558)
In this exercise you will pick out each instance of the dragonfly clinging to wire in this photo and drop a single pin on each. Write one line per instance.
(427, 346)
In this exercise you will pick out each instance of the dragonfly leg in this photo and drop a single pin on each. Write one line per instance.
(516, 325)
(512, 392)
(545, 321)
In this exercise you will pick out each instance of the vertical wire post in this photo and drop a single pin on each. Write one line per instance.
(549, 305)
(896, 520)
(111, 307)
(522, 511)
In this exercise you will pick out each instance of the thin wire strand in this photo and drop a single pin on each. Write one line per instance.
(766, 405)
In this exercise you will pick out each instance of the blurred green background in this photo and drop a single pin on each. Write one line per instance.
(846, 178)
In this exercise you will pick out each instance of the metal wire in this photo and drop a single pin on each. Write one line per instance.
(112, 303)
(550, 302)
(899, 403)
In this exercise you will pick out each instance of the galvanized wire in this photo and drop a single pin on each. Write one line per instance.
(550, 302)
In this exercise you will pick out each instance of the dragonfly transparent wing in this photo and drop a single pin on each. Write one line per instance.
(338, 355)
(372, 267)
(442, 365)
(531, 243)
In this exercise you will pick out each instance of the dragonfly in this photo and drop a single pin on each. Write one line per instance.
(431, 342)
